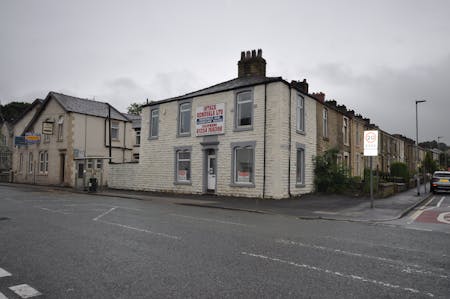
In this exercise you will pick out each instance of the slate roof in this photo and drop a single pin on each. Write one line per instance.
(135, 120)
(77, 105)
(221, 87)
(85, 106)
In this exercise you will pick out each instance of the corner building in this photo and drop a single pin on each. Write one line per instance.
(253, 136)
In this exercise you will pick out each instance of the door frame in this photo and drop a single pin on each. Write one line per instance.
(211, 154)
(209, 148)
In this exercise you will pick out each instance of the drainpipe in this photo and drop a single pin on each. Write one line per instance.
(109, 129)
(289, 145)
(264, 153)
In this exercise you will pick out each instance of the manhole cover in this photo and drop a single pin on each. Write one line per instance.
(4, 218)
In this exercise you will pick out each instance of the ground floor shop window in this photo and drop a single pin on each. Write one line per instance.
(183, 165)
(243, 164)
(300, 172)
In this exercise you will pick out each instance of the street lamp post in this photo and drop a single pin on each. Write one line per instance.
(417, 148)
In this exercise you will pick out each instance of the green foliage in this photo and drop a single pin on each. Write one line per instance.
(375, 178)
(329, 176)
(13, 110)
(429, 164)
(135, 108)
(399, 169)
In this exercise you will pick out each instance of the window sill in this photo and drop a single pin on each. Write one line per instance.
(153, 138)
(300, 132)
(186, 183)
(137, 145)
(184, 135)
(243, 185)
(61, 140)
(300, 185)
(240, 129)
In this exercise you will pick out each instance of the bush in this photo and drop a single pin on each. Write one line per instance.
(329, 176)
(399, 169)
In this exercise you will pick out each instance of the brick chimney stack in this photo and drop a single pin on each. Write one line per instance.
(301, 85)
(320, 96)
(252, 64)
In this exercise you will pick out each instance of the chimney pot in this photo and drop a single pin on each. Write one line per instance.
(252, 64)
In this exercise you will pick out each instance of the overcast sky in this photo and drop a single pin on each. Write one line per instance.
(376, 57)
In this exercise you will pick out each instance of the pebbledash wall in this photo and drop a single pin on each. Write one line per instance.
(282, 132)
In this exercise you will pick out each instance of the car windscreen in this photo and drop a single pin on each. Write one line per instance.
(442, 174)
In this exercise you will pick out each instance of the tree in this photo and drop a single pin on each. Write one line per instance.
(135, 108)
(429, 164)
(13, 110)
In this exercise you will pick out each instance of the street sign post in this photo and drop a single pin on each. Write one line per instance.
(371, 149)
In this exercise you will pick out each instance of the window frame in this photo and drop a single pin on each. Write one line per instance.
(150, 136)
(345, 130)
(179, 120)
(115, 127)
(300, 148)
(60, 128)
(20, 162)
(30, 162)
(234, 147)
(43, 162)
(138, 137)
(177, 150)
(300, 114)
(237, 104)
(325, 122)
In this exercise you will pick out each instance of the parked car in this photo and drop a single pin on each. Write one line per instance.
(440, 181)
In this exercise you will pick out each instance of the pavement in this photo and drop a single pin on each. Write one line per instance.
(311, 206)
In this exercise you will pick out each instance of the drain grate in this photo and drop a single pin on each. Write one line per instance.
(4, 218)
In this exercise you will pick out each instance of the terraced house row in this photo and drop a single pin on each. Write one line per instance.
(253, 136)
(250, 136)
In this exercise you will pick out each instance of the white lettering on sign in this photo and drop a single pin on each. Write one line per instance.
(210, 120)
(370, 143)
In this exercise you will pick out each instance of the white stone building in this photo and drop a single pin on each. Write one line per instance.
(253, 136)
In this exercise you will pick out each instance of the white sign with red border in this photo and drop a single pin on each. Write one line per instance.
(210, 120)
(371, 143)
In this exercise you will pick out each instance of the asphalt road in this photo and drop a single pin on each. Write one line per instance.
(66, 245)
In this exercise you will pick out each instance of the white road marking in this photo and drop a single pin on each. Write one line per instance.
(4, 273)
(383, 259)
(418, 228)
(428, 202)
(3, 296)
(371, 244)
(441, 217)
(25, 291)
(140, 230)
(53, 211)
(211, 220)
(103, 214)
(420, 211)
(334, 273)
(440, 202)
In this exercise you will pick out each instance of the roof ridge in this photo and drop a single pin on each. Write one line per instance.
(84, 99)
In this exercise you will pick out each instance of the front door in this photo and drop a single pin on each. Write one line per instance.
(212, 172)
(80, 176)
